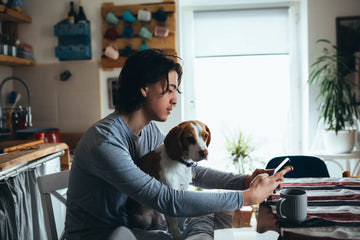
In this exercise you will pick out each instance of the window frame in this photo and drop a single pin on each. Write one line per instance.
(299, 90)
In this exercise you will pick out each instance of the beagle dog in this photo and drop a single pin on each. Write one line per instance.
(184, 145)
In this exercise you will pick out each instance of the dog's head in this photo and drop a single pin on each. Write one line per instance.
(188, 140)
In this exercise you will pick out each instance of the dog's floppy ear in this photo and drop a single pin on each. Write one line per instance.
(173, 144)
(209, 133)
(207, 130)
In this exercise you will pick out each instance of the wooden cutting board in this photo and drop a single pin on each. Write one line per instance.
(10, 146)
(14, 158)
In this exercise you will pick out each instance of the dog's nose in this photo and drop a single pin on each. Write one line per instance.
(203, 153)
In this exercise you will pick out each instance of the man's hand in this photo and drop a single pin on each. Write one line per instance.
(263, 185)
(257, 171)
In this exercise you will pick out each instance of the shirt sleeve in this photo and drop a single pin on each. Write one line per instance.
(209, 178)
(118, 169)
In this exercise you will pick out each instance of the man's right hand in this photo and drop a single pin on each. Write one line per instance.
(262, 186)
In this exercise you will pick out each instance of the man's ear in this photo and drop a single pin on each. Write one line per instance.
(144, 91)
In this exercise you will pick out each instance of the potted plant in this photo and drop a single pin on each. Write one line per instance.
(240, 148)
(338, 109)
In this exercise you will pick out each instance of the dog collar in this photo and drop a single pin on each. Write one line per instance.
(188, 164)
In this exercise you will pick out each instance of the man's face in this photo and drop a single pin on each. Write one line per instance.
(159, 104)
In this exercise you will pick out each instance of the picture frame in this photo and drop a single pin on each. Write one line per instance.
(112, 84)
(348, 39)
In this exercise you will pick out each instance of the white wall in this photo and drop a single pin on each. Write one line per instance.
(322, 24)
(5, 72)
(72, 105)
(6, 88)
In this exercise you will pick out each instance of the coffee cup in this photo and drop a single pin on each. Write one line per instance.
(161, 31)
(292, 205)
(112, 52)
(160, 15)
(144, 15)
(128, 32)
(145, 33)
(128, 17)
(111, 18)
(143, 47)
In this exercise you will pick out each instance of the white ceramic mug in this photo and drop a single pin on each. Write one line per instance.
(112, 52)
(144, 15)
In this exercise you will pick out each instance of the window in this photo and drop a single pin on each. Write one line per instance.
(240, 65)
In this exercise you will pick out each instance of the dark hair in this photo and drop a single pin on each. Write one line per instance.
(142, 68)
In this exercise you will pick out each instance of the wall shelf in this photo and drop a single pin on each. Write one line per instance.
(74, 41)
(15, 61)
(11, 15)
(9, 19)
(109, 64)
(168, 44)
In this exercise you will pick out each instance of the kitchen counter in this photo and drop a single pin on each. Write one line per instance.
(14, 158)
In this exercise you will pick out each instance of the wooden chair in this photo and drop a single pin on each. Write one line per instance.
(49, 185)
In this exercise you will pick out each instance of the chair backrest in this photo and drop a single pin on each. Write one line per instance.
(304, 166)
(50, 184)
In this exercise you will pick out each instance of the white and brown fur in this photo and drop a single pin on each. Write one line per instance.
(187, 141)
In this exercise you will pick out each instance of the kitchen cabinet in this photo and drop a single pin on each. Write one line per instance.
(9, 19)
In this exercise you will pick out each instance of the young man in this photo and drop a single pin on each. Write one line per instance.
(104, 173)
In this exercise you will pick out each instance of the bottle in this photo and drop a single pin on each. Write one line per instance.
(71, 13)
(81, 18)
(5, 42)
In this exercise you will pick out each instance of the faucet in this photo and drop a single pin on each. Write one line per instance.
(28, 108)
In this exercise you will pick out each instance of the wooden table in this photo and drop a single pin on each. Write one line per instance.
(333, 210)
(14, 158)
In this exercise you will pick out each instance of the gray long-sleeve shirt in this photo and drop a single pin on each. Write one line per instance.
(104, 174)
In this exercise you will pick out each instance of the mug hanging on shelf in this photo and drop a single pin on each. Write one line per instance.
(161, 31)
(111, 18)
(112, 52)
(144, 15)
(145, 33)
(160, 15)
(128, 17)
(128, 32)
(111, 34)
(127, 51)
(144, 46)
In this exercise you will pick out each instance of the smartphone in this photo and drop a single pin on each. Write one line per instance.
(281, 165)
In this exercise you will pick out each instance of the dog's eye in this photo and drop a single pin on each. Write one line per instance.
(191, 140)
(206, 136)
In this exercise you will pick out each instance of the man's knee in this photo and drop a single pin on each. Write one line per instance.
(122, 233)
(223, 220)
(200, 236)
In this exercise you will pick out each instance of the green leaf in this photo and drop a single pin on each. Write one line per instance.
(338, 105)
